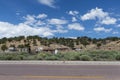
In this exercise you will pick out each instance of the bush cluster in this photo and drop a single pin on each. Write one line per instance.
(69, 56)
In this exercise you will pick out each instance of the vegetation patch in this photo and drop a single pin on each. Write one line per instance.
(69, 56)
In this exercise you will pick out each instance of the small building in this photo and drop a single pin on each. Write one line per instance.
(38, 49)
(50, 50)
(56, 51)
(12, 49)
(77, 48)
(62, 49)
(25, 49)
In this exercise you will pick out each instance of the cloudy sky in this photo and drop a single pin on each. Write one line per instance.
(60, 18)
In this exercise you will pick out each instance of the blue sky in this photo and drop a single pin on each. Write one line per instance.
(60, 18)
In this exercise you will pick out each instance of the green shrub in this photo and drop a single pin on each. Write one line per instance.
(118, 57)
(53, 57)
(85, 58)
(102, 55)
(70, 56)
(42, 56)
(83, 55)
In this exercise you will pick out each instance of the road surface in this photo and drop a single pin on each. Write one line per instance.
(59, 72)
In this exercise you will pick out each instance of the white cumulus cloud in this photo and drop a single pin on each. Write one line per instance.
(61, 29)
(115, 32)
(118, 25)
(98, 13)
(76, 26)
(73, 13)
(108, 21)
(56, 21)
(30, 19)
(11, 30)
(100, 29)
(49, 3)
(94, 13)
(42, 16)
(33, 26)
(74, 19)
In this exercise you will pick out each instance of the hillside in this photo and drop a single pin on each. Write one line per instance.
(80, 43)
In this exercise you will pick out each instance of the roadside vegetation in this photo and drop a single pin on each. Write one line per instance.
(69, 56)
(83, 43)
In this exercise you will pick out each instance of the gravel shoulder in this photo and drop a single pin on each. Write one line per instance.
(63, 62)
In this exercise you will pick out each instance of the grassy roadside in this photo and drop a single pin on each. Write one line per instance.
(69, 56)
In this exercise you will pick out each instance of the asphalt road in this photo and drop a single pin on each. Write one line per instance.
(59, 72)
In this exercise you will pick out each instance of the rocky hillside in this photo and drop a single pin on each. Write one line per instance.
(84, 43)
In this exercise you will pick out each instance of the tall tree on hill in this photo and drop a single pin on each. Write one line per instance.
(71, 44)
(98, 45)
(84, 41)
(34, 42)
(4, 47)
(77, 42)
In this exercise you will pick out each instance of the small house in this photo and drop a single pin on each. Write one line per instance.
(12, 49)
(50, 50)
(25, 49)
